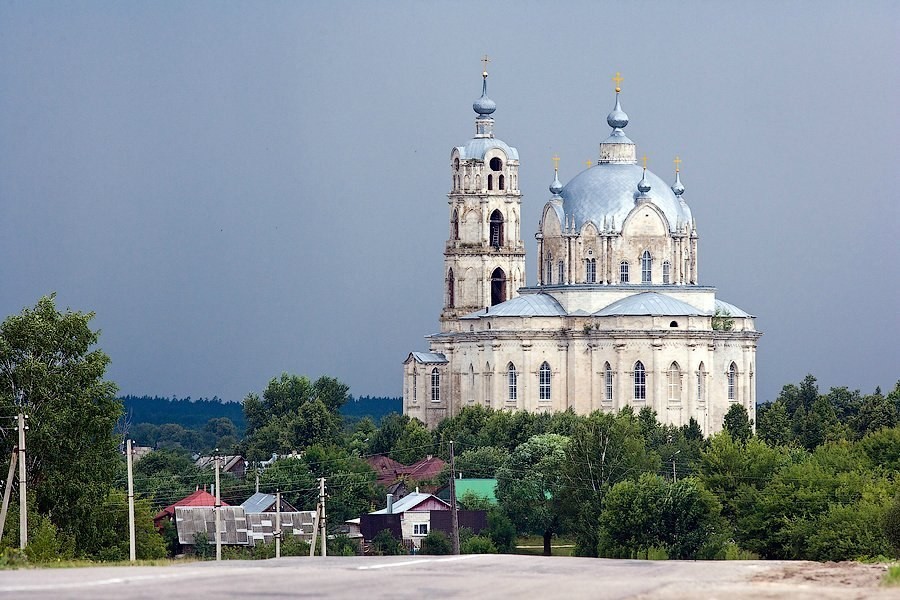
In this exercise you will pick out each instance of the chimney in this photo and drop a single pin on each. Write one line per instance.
(430, 456)
(390, 504)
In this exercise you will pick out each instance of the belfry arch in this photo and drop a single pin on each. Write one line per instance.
(498, 286)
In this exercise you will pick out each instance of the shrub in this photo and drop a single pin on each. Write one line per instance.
(202, 548)
(436, 542)
(478, 544)
(47, 543)
(891, 524)
(384, 544)
(294, 546)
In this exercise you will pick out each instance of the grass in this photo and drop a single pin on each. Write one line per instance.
(892, 577)
(534, 545)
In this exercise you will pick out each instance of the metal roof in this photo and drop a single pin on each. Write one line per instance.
(428, 358)
(731, 309)
(649, 303)
(258, 502)
(478, 147)
(526, 305)
(407, 503)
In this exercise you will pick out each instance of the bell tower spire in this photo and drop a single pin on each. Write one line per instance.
(484, 257)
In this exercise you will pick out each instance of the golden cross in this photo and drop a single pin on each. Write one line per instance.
(677, 162)
(588, 163)
(644, 158)
(555, 160)
(618, 79)
(484, 61)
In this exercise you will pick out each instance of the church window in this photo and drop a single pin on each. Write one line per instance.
(560, 272)
(496, 229)
(674, 381)
(454, 225)
(451, 295)
(608, 381)
(673, 324)
(591, 270)
(435, 385)
(471, 382)
(666, 273)
(415, 386)
(646, 265)
(732, 381)
(456, 164)
(544, 382)
(490, 182)
(512, 380)
(498, 287)
(500, 182)
(701, 379)
(640, 381)
(623, 272)
(496, 164)
(548, 270)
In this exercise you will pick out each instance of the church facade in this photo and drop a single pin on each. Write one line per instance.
(617, 316)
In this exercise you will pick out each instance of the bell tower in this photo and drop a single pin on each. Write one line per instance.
(484, 257)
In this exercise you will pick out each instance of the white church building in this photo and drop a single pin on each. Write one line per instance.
(617, 317)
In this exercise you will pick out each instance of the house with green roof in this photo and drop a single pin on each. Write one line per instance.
(486, 488)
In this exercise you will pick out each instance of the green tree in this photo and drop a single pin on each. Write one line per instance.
(891, 524)
(774, 424)
(481, 463)
(530, 483)
(737, 423)
(349, 480)
(413, 444)
(50, 369)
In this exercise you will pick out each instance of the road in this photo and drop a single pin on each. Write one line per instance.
(469, 576)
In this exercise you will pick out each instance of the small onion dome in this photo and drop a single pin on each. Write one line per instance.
(555, 187)
(677, 187)
(484, 106)
(617, 119)
(643, 184)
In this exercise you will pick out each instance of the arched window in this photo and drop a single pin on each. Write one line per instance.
(623, 272)
(498, 286)
(415, 386)
(608, 381)
(674, 381)
(490, 182)
(435, 385)
(544, 382)
(666, 273)
(732, 382)
(454, 225)
(500, 182)
(560, 272)
(548, 272)
(701, 382)
(497, 229)
(646, 266)
(471, 382)
(451, 285)
(456, 164)
(512, 382)
(591, 270)
(640, 381)
(496, 164)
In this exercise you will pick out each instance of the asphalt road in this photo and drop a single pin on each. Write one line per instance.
(469, 576)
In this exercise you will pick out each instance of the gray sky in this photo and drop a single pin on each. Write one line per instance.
(241, 189)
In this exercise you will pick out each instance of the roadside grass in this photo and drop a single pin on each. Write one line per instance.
(17, 560)
(892, 577)
(533, 545)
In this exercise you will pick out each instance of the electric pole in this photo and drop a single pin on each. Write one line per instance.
(130, 461)
(218, 511)
(278, 524)
(322, 518)
(454, 516)
(23, 505)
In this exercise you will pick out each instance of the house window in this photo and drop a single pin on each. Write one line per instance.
(512, 380)
(435, 385)
(560, 272)
(640, 381)
(420, 528)
(646, 265)
(608, 381)
(496, 228)
(544, 382)
(674, 380)
(732, 380)
(623, 272)
(666, 273)
(591, 270)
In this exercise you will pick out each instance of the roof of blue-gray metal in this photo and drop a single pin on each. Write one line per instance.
(649, 303)
(478, 147)
(407, 502)
(731, 309)
(604, 194)
(258, 502)
(428, 357)
(527, 305)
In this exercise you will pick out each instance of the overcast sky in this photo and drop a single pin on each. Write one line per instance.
(241, 189)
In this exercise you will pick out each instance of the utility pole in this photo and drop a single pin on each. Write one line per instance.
(13, 457)
(674, 475)
(454, 516)
(218, 511)
(23, 505)
(278, 524)
(322, 518)
(130, 462)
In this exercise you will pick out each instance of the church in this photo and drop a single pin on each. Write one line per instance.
(618, 316)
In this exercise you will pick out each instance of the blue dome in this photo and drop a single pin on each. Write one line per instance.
(605, 194)
(484, 106)
(617, 119)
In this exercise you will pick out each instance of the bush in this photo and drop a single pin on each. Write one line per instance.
(501, 531)
(341, 545)
(13, 558)
(436, 542)
(202, 548)
(891, 524)
(294, 546)
(384, 544)
(47, 544)
(478, 544)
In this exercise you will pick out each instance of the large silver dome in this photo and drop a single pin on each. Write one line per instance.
(604, 195)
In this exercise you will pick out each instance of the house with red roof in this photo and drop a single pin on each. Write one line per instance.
(393, 475)
(198, 498)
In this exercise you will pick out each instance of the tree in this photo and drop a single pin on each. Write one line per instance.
(413, 444)
(529, 485)
(774, 423)
(737, 423)
(481, 463)
(50, 369)
(891, 524)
